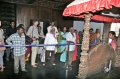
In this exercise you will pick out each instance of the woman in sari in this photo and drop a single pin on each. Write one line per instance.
(93, 39)
(98, 34)
(59, 40)
(63, 48)
(76, 47)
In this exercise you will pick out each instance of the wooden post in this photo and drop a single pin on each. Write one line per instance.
(117, 53)
(83, 66)
(105, 32)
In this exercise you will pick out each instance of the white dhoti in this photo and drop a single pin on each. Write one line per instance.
(41, 51)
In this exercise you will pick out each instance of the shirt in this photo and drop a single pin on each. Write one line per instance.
(10, 31)
(1, 34)
(114, 44)
(33, 31)
(71, 38)
(15, 39)
(50, 39)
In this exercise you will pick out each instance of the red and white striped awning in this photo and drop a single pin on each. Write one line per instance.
(78, 7)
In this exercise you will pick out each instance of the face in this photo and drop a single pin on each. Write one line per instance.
(52, 24)
(20, 31)
(76, 32)
(90, 31)
(39, 28)
(64, 29)
(80, 33)
(53, 31)
(35, 23)
(72, 30)
(111, 36)
(97, 30)
(12, 24)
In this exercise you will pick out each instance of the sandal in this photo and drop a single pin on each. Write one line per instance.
(53, 64)
(34, 66)
(43, 64)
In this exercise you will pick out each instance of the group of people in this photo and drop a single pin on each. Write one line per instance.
(95, 39)
(16, 38)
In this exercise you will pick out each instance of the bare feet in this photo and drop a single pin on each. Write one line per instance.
(2, 68)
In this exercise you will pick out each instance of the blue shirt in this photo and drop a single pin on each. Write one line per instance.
(15, 39)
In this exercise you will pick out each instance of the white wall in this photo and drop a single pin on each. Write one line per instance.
(79, 26)
(115, 27)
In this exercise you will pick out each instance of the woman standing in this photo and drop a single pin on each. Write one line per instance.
(93, 39)
(59, 40)
(63, 48)
(1, 48)
(76, 47)
(98, 35)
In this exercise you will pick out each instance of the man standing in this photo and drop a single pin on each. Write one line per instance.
(34, 35)
(9, 31)
(52, 25)
(50, 39)
(70, 38)
(18, 38)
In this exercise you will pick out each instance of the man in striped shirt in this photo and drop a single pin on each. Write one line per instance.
(18, 39)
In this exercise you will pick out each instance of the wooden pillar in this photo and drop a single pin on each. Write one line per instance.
(117, 58)
(105, 32)
(83, 66)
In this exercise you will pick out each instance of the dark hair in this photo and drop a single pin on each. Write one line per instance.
(12, 21)
(19, 27)
(52, 21)
(34, 20)
(91, 29)
(75, 30)
(113, 33)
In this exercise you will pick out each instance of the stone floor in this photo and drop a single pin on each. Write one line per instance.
(113, 74)
(53, 72)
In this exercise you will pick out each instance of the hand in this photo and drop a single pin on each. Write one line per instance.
(34, 39)
(43, 36)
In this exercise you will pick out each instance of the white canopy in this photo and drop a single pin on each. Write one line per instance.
(77, 2)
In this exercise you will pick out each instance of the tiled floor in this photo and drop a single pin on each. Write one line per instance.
(53, 72)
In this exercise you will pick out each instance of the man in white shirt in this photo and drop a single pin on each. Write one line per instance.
(52, 25)
(50, 39)
(70, 38)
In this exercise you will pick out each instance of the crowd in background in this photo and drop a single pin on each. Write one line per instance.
(18, 36)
